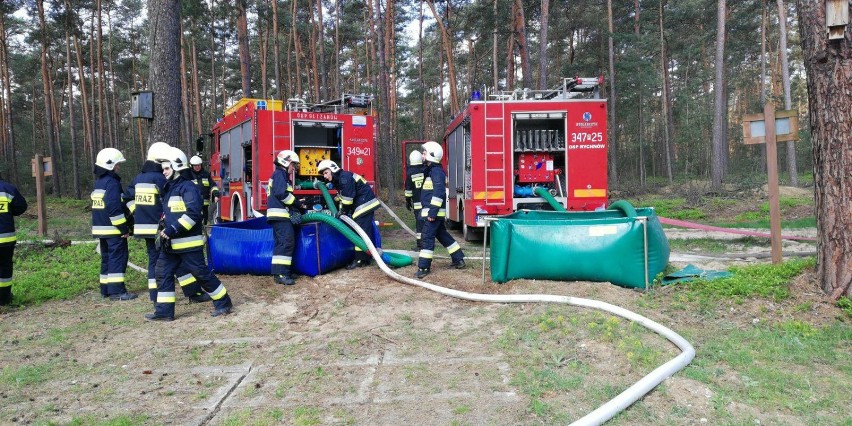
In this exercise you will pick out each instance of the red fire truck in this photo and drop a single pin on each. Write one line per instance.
(247, 138)
(503, 145)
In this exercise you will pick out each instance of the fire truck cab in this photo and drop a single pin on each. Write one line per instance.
(247, 138)
(505, 144)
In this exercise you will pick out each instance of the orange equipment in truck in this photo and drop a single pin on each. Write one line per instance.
(505, 144)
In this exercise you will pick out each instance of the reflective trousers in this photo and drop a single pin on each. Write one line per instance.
(168, 265)
(114, 256)
(6, 254)
(366, 222)
(188, 283)
(431, 232)
(282, 251)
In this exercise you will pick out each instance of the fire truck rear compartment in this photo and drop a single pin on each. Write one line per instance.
(538, 146)
(315, 141)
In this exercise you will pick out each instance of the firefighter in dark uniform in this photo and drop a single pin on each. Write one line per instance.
(144, 200)
(12, 204)
(205, 183)
(413, 185)
(434, 213)
(357, 201)
(183, 244)
(281, 208)
(110, 224)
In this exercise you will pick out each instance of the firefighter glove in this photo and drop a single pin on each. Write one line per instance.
(408, 204)
(295, 217)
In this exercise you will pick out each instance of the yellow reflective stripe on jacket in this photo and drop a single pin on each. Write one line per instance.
(188, 242)
(118, 219)
(147, 188)
(427, 184)
(187, 222)
(105, 230)
(366, 207)
(176, 204)
(5, 282)
(98, 199)
(143, 229)
(7, 237)
(285, 213)
(436, 201)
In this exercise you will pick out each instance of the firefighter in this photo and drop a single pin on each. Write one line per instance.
(110, 224)
(12, 204)
(182, 243)
(206, 184)
(413, 185)
(434, 213)
(357, 200)
(144, 200)
(281, 209)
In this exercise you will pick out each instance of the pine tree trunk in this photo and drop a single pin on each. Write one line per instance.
(785, 79)
(829, 76)
(717, 163)
(184, 96)
(323, 83)
(89, 139)
(543, 58)
(315, 87)
(48, 101)
(72, 124)
(164, 77)
(263, 50)
(243, 45)
(279, 90)
(294, 38)
(613, 127)
(196, 89)
(9, 129)
(523, 44)
(666, 104)
(451, 68)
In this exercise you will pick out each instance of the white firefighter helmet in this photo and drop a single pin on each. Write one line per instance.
(159, 151)
(327, 164)
(433, 152)
(286, 157)
(178, 160)
(108, 158)
(195, 160)
(415, 158)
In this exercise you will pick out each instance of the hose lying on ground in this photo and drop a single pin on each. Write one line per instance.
(613, 406)
(393, 259)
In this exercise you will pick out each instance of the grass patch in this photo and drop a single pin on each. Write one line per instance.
(60, 273)
(674, 208)
(124, 420)
(778, 368)
(770, 281)
(845, 304)
(712, 245)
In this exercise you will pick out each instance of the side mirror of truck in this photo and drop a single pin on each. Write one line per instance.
(199, 144)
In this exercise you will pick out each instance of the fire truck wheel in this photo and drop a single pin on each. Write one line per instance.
(471, 233)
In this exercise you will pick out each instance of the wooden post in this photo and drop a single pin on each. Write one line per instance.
(38, 173)
(772, 171)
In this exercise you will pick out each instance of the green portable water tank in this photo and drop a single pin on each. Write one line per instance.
(610, 245)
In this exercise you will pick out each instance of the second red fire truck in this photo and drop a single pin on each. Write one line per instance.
(505, 144)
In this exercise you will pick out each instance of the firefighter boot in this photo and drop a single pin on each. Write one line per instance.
(155, 317)
(422, 272)
(221, 311)
(458, 265)
(284, 279)
(200, 298)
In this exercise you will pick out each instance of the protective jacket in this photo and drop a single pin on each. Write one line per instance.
(354, 193)
(414, 184)
(12, 204)
(206, 185)
(109, 214)
(182, 214)
(434, 192)
(279, 196)
(144, 199)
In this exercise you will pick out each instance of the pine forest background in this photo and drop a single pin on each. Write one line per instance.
(67, 69)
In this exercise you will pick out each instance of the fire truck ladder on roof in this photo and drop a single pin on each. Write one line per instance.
(495, 156)
(280, 140)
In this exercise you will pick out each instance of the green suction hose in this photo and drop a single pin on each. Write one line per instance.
(544, 193)
(393, 259)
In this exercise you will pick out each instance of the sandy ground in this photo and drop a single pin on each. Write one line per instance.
(348, 347)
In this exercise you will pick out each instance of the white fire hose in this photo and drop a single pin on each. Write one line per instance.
(613, 406)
